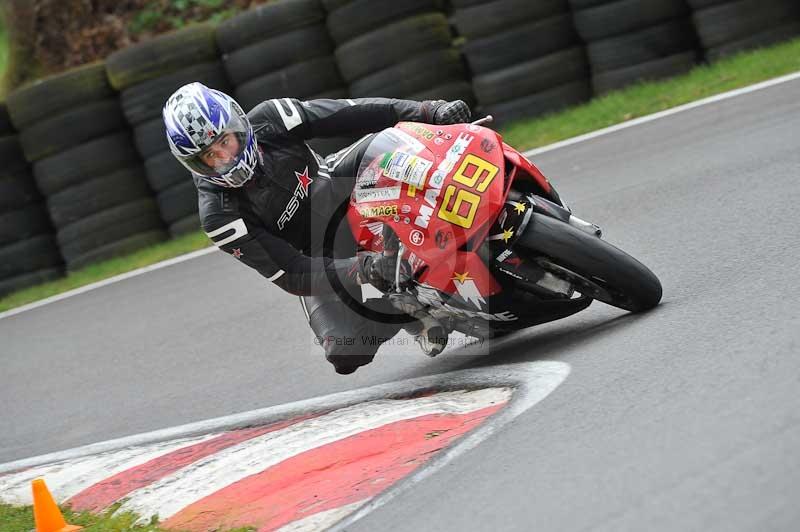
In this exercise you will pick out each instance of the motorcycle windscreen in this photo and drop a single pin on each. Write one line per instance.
(392, 159)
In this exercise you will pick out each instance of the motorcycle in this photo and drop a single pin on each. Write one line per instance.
(483, 242)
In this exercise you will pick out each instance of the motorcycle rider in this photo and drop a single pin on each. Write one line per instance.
(264, 196)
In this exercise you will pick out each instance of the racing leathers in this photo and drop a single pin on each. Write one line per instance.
(277, 222)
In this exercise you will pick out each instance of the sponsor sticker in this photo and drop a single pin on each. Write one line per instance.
(377, 194)
(378, 211)
(406, 167)
(436, 181)
(418, 129)
(416, 237)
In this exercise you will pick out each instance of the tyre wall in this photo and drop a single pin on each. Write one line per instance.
(72, 131)
(397, 50)
(632, 40)
(28, 251)
(145, 75)
(729, 26)
(280, 50)
(525, 57)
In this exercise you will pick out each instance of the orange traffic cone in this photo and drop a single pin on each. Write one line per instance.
(45, 511)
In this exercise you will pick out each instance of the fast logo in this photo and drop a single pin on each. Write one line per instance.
(300, 193)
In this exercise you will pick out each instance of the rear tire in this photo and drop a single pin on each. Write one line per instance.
(600, 270)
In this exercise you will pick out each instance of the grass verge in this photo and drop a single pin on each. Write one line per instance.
(20, 519)
(614, 108)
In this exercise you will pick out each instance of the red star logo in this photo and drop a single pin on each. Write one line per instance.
(514, 261)
(304, 180)
(237, 253)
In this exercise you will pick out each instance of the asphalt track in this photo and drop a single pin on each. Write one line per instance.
(684, 418)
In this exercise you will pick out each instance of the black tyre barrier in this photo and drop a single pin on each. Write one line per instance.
(107, 227)
(71, 128)
(144, 101)
(49, 96)
(582, 4)
(26, 280)
(378, 49)
(362, 16)
(17, 191)
(455, 90)
(164, 171)
(277, 52)
(412, 76)
(763, 38)
(540, 37)
(702, 4)
(23, 223)
(120, 247)
(489, 18)
(660, 68)
(531, 77)
(300, 80)
(80, 201)
(162, 55)
(648, 44)
(738, 20)
(150, 137)
(622, 16)
(29, 255)
(13, 160)
(187, 224)
(75, 165)
(6, 128)
(543, 102)
(267, 20)
(466, 3)
(177, 201)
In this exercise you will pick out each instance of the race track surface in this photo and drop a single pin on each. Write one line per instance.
(684, 418)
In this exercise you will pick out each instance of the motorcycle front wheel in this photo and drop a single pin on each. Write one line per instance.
(595, 268)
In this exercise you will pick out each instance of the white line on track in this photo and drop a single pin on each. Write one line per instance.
(530, 153)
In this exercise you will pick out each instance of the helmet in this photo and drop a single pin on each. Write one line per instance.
(210, 135)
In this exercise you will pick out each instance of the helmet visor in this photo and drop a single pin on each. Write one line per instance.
(224, 151)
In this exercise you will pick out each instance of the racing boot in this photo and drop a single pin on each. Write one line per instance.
(429, 334)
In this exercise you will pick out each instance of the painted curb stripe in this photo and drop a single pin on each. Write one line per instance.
(68, 478)
(321, 520)
(169, 495)
(342, 473)
(530, 382)
(107, 492)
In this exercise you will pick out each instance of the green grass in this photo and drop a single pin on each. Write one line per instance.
(614, 108)
(20, 519)
(3, 56)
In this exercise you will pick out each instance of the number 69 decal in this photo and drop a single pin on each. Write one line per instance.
(473, 171)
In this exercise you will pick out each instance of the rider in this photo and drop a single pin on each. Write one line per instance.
(264, 194)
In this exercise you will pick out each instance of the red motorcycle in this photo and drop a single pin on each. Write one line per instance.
(486, 246)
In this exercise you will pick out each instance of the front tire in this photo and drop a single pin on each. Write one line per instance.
(596, 268)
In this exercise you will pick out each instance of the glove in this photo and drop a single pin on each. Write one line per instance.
(447, 113)
(378, 270)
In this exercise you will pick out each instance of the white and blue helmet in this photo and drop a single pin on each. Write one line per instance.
(195, 117)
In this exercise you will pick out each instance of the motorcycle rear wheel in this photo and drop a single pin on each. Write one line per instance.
(596, 268)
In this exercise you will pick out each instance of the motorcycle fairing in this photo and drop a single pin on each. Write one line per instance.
(445, 185)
